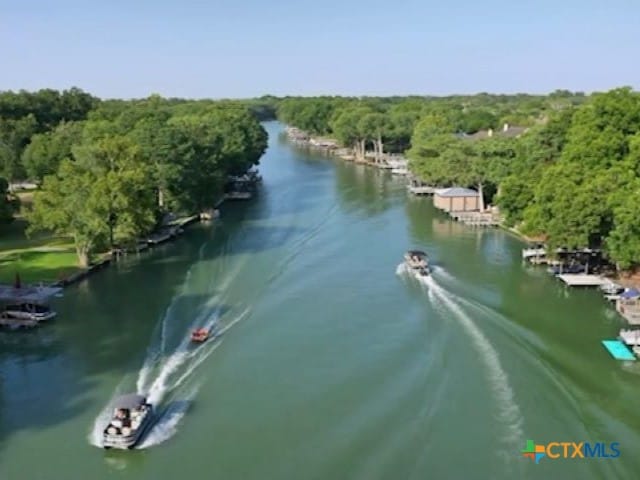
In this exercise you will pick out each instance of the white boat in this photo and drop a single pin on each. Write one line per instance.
(29, 311)
(13, 323)
(132, 416)
(417, 262)
(611, 288)
(400, 171)
(630, 336)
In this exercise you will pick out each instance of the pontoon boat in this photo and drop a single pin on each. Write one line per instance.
(13, 323)
(29, 311)
(132, 415)
(417, 262)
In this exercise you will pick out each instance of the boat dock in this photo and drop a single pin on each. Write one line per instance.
(582, 280)
(421, 189)
(528, 253)
(476, 219)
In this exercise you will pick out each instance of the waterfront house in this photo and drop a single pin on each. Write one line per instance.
(457, 199)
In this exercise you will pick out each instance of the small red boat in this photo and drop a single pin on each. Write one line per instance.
(200, 335)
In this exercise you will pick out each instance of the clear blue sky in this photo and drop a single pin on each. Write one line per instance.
(236, 48)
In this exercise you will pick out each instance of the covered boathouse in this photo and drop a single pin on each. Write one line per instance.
(457, 199)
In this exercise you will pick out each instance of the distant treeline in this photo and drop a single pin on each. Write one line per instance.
(109, 170)
(564, 167)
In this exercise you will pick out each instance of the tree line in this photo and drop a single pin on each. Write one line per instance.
(571, 177)
(108, 173)
(388, 124)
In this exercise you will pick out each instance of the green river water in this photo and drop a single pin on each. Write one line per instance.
(333, 364)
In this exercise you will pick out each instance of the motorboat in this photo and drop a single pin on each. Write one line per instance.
(14, 323)
(611, 288)
(29, 311)
(630, 337)
(132, 415)
(417, 262)
(200, 335)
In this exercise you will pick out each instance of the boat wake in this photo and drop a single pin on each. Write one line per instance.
(167, 377)
(509, 412)
(170, 383)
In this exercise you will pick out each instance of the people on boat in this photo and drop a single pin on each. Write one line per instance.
(200, 335)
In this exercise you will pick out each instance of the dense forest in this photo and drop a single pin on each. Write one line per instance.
(564, 167)
(107, 171)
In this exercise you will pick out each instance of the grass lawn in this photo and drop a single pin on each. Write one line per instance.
(41, 258)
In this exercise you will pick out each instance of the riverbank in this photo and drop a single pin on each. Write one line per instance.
(40, 258)
(52, 261)
(330, 146)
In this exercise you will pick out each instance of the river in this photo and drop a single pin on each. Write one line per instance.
(332, 364)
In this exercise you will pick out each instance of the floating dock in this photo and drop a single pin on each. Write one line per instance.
(582, 280)
(618, 350)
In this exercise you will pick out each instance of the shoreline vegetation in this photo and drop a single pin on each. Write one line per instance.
(103, 177)
(563, 168)
(329, 146)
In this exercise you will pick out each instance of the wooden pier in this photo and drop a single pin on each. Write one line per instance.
(476, 219)
(421, 189)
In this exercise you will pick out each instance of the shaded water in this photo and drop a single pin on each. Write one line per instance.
(332, 362)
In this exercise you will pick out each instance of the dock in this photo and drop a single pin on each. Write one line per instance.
(158, 238)
(582, 280)
(476, 219)
(421, 190)
(618, 350)
(533, 252)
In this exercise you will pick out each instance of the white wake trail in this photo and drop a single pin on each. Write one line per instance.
(167, 425)
(509, 414)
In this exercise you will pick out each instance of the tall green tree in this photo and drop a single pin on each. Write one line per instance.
(65, 206)
(46, 150)
(102, 198)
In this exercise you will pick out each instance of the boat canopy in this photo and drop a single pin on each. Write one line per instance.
(630, 293)
(129, 401)
(417, 253)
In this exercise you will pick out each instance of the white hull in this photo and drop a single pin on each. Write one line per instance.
(17, 323)
(37, 317)
(127, 442)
